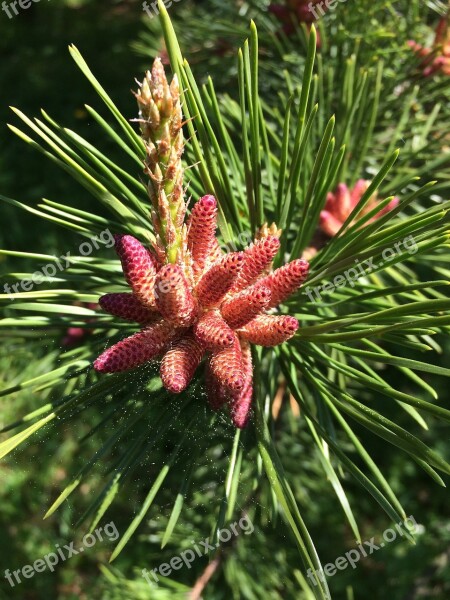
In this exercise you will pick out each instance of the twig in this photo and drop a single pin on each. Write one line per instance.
(203, 580)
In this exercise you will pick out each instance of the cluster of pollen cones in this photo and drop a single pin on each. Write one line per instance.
(437, 58)
(293, 12)
(214, 305)
(340, 204)
(302, 10)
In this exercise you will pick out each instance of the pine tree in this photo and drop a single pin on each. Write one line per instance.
(329, 265)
